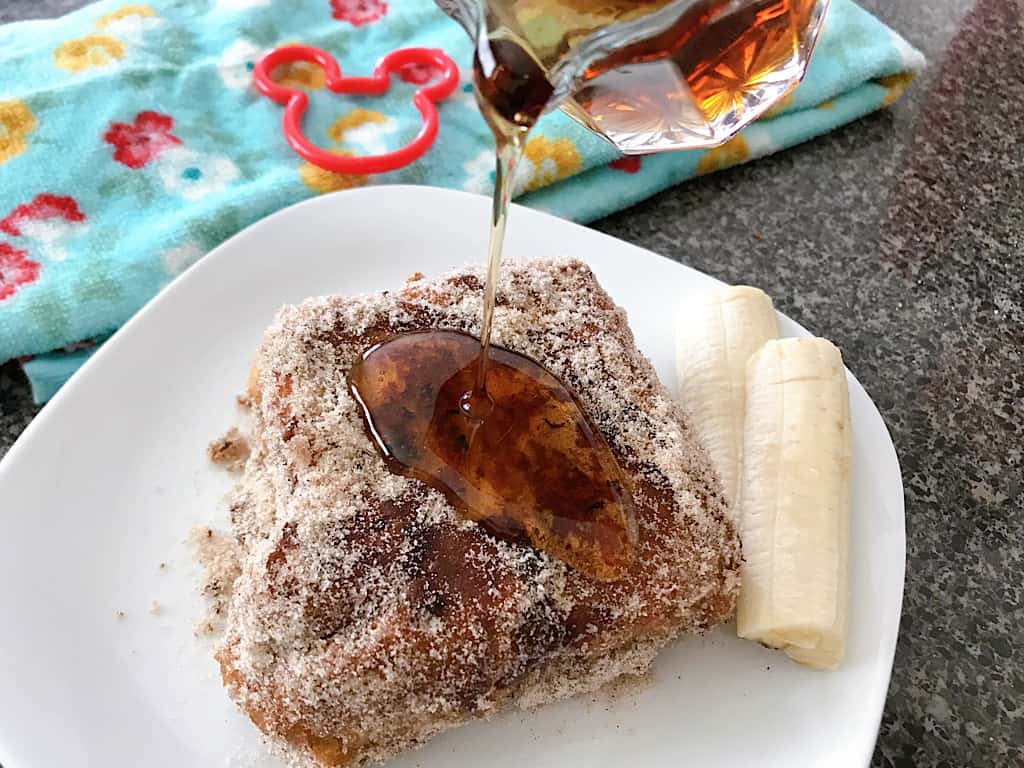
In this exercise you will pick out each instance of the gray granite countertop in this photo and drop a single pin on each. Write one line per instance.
(901, 237)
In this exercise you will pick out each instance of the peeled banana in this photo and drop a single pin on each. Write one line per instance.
(716, 333)
(795, 501)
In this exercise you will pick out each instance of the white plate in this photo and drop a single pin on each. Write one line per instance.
(104, 485)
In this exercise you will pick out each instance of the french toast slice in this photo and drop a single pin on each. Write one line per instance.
(370, 615)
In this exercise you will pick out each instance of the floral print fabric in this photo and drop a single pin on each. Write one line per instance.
(132, 142)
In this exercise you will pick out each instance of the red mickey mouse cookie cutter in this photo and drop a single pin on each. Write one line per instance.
(296, 101)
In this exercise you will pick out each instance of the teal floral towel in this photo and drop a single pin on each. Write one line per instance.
(132, 142)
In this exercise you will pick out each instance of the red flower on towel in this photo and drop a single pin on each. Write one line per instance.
(139, 142)
(41, 208)
(49, 220)
(626, 164)
(16, 270)
(358, 12)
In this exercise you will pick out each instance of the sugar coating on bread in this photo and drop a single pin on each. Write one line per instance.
(369, 615)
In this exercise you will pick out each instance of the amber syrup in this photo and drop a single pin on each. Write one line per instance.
(533, 469)
(691, 84)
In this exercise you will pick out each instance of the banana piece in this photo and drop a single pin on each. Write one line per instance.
(716, 333)
(795, 501)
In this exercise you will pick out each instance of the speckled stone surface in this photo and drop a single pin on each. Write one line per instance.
(901, 237)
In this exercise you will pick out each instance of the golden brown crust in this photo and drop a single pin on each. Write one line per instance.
(369, 615)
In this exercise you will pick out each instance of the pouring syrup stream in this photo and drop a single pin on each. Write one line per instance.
(512, 91)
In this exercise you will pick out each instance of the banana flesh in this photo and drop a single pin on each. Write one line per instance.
(794, 501)
(716, 333)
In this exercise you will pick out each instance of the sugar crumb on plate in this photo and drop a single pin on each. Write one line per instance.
(219, 557)
(230, 451)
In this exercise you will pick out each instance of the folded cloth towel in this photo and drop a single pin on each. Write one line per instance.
(132, 142)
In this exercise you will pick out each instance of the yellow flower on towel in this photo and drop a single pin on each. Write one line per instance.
(87, 52)
(299, 74)
(124, 12)
(894, 86)
(778, 107)
(16, 123)
(364, 131)
(354, 119)
(545, 162)
(731, 153)
(319, 180)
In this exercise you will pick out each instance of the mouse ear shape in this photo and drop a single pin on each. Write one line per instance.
(396, 62)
